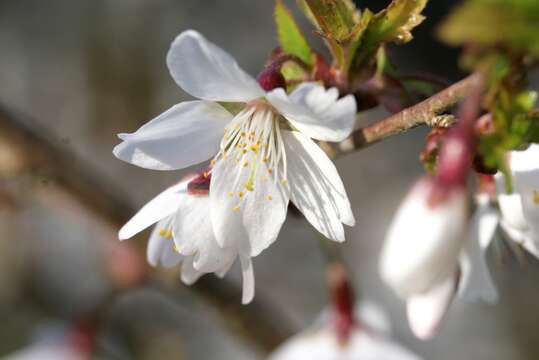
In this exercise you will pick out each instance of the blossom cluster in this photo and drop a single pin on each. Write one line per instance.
(256, 141)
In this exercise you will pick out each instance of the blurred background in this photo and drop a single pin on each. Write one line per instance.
(76, 73)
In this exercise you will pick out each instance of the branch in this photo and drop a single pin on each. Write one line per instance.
(25, 148)
(422, 113)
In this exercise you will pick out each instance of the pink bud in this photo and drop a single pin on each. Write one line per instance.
(456, 157)
(271, 78)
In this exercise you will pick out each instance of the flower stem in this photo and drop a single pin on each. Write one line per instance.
(419, 114)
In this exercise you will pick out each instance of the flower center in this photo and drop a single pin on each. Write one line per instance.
(253, 141)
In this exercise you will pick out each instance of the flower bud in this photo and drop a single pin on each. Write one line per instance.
(425, 238)
(271, 78)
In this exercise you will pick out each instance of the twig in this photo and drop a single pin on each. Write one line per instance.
(32, 150)
(409, 118)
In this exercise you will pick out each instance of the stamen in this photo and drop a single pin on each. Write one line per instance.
(236, 208)
(536, 197)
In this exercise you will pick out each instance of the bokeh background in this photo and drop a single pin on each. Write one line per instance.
(83, 71)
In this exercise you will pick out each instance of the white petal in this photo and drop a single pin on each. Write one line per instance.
(316, 112)
(316, 187)
(184, 135)
(424, 241)
(426, 311)
(530, 207)
(255, 217)
(476, 282)
(159, 249)
(526, 162)
(189, 274)
(194, 236)
(512, 212)
(158, 208)
(248, 279)
(208, 72)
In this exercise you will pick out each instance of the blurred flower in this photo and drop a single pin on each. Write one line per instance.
(321, 341)
(263, 156)
(184, 234)
(419, 259)
(520, 209)
(55, 343)
(48, 352)
(342, 334)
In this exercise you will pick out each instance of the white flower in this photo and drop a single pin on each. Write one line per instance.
(320, 342)
(184, 234)
(520, 209)
(419, 259)
(262, 157)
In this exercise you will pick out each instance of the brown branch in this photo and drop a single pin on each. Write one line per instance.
(25, 148)
(421, 113)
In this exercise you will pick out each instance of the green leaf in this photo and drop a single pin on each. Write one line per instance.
(335, 18)
(336, 21)
(512, 23)
(393, 24)
(291, 38)
(307, 12)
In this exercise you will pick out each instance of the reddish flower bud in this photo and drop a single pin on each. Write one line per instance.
(455, 157)
(343, 301)
(271, 78)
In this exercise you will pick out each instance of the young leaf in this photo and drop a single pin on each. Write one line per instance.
(335, 18)
(513, 23)
(291, 38)
(393, 24)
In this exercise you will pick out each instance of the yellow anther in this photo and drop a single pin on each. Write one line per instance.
(249, 186)
(284, 181)
(270, 170)
(230, 194)
(269, 197)
(162, 232)
(245, 164)
(535, 197)
(253, 133)
(236, 208)
(175, 248)
(205, 174)
(255, 148)
(242, 133)
(244, 151)
(265, 158)
(213, 162)
(240, 194)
